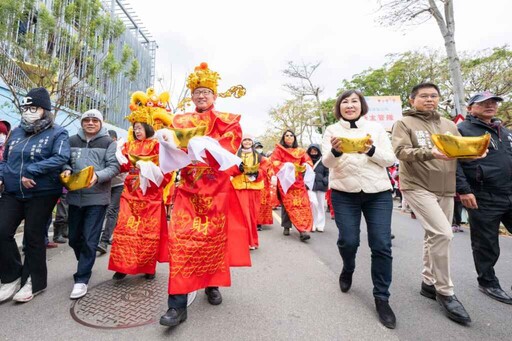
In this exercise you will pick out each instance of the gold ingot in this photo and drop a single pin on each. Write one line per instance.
(354, 144)
(185, 134)
(462, 146)
(300, 168)
(79, 180)
(251, 169)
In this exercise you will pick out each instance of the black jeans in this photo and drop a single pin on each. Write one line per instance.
(112, 213)
(60, 224)
(485, 225)
(84, 234)
(377, 209)
(35, 212)
(457, 213)
(177, 301)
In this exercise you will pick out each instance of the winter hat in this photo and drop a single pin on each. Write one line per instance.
(4, 127)
(247, 137)
(38, 97)
(93, 113)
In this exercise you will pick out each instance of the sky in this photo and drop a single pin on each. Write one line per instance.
(251, 42)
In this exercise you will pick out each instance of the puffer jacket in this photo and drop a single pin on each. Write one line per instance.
(39, 157)
(413, 145)
(353, 172)
(100, 153)
(321, 172)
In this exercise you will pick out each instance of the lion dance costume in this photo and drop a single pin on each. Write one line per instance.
(141, 236)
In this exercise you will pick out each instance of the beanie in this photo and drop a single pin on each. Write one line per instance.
(92, 113)
(38, 97)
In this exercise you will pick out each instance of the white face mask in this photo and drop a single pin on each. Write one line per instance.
(31, 117)
(3, 137)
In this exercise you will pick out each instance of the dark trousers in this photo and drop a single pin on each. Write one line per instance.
(35, 212)
(377, 209)
(112, 213)
(84, 234)
(457, 213)
(60, 224)
(285, 218)
(484, 226)
(177, 301)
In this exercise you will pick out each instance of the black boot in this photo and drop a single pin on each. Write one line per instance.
(286, 231)
(173, 317)
(214, 296)
(304, 236)
(453, 308)
(386, 315)
(345, 281)
(429, 291)
(118, 276)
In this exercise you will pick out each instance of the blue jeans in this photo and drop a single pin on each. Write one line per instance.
(85, 225)
(377, 209)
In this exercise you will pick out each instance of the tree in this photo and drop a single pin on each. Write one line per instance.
(296, 114)
(67, 48)
(303, 73)
(400, 73)
(489, 69)
(399, 12)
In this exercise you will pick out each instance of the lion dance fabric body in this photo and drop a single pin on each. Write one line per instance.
(207, 234)
(141, 235)
(296, 200)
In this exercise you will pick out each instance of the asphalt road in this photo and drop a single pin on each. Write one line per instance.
(290, 293)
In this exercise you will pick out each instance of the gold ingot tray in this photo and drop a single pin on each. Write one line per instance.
(355, 144)
(183, 135)
(461, 146)
(78, 180)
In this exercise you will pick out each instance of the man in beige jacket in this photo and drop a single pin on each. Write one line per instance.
(427, 181)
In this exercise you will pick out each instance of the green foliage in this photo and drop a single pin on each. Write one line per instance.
(126, 54)
(41, 43)
(134, 70)
(489, 69)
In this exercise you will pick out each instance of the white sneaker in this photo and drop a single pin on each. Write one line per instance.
(25, 294)
(79, 290)
(8, 289)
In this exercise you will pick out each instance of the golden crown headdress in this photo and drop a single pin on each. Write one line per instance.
(147, 107)
(204, 77)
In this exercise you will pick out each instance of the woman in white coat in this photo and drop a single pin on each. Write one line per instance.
(360, 184)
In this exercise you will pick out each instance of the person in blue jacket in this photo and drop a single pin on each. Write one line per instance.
(34, 155)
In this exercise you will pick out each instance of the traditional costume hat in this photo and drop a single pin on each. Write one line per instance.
(148, 107)
(204, 77)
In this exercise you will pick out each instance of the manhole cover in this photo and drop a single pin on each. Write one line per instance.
(131, 302)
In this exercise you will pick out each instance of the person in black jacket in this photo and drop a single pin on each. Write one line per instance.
(317, 193)
(29, 177)
(485, 188)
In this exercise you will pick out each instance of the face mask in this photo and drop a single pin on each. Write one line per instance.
(31, 117)
(3, 137)
(259, 150)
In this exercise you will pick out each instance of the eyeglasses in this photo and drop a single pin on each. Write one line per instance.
(31, 109)
(202, 92)
(93, 120)
(425, 96)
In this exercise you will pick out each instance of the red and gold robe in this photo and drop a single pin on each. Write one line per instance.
(248, 193)
(265, 212)
(296, 200)
(207, 234)
(140, 237)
